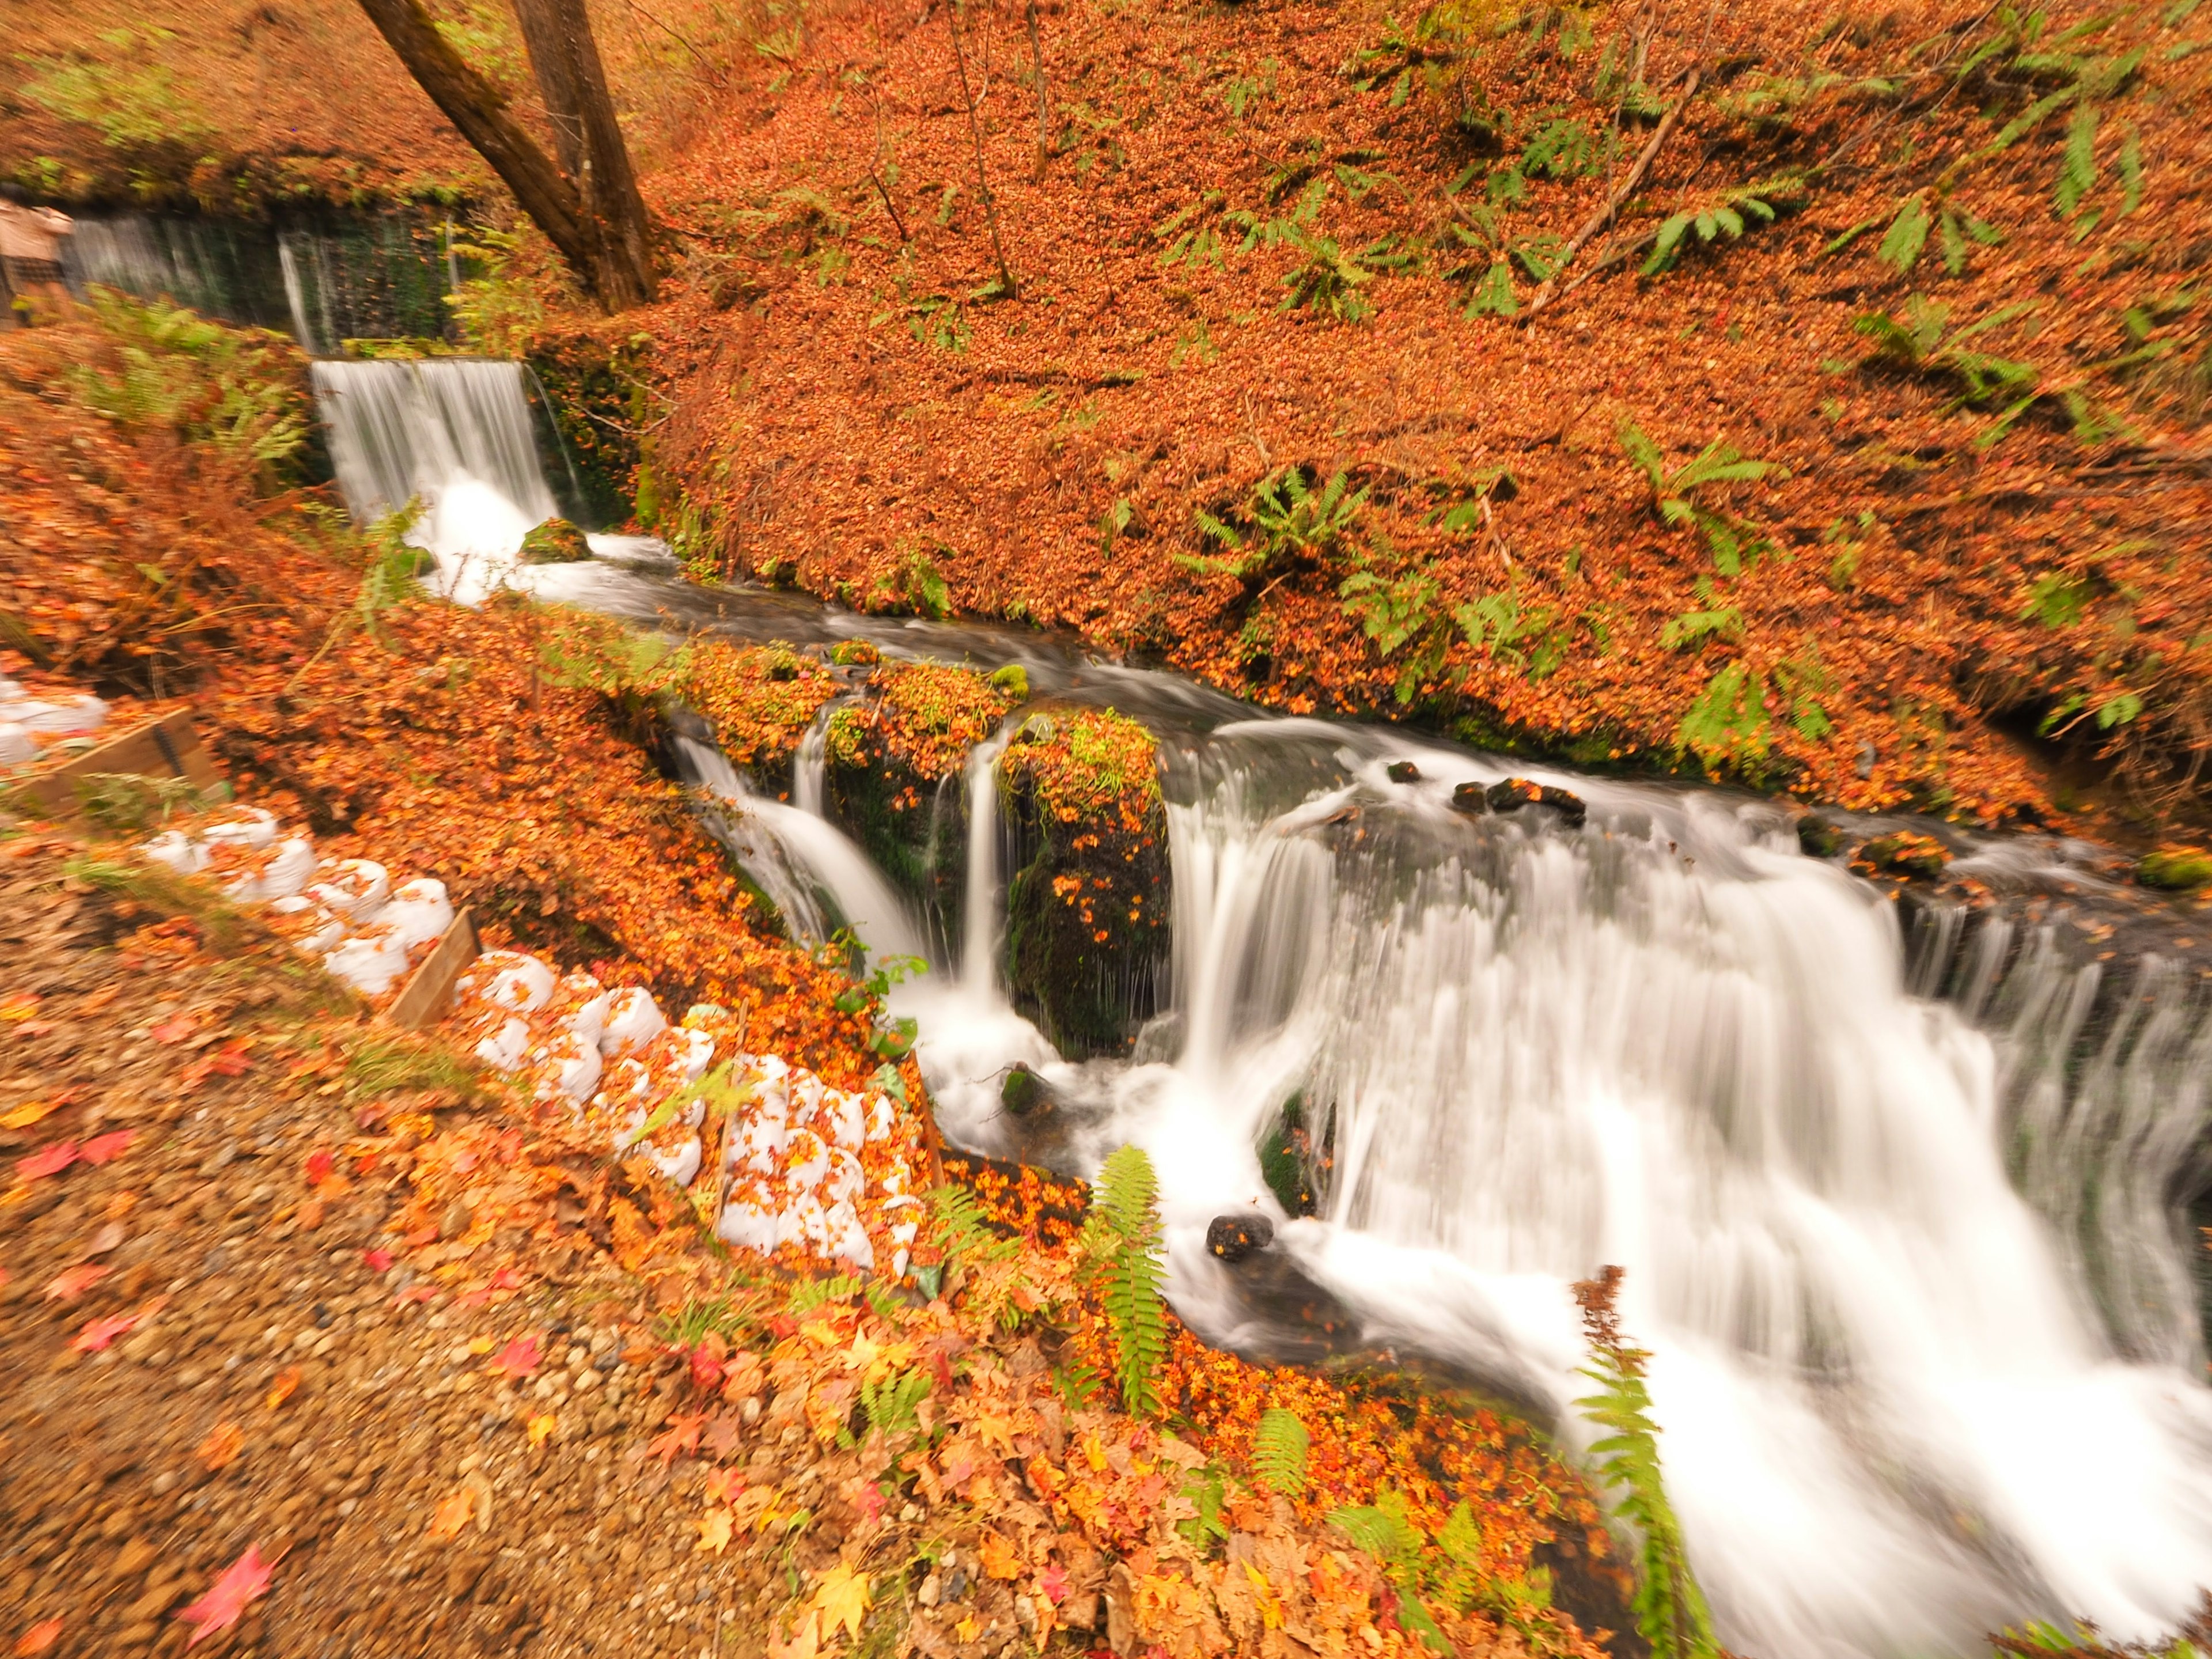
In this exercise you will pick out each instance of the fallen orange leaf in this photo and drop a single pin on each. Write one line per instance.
(221, 1607)
(287, 1384)
(221, 1448)
(449, 1517)
(27, 1114)
(40, 1638)
(74, 1282)
(541, 1427)
(101, 1149)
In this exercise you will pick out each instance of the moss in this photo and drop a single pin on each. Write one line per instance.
(1902, 854)
(1013, 680)
(555, 542)
(2178, 869)
(895, 763)
(1088, 909)
(760, 700)
(1291, 1162)
(596, 395)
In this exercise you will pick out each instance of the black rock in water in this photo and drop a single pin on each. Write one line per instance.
(1023, 1092)
(1513, 793)
(1469, 798)
(1233, 1237)
(1404, 772)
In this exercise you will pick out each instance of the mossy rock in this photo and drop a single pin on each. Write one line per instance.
(1294, 1161)
(555, 542)
(2175, 869)
(760, 700)
(895, 763)
(1088, 911)
(847, 654)
(1012, 681)
(1817, 838)
(1902, 854)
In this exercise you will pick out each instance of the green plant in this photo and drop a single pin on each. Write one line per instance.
(1728, 725)
(1121, 1242)
(1286, 519)
(388, 577)
(891, 1404)
(1530, 638)
(128, 804)
(1717, 622)
(696, 1320)
(1679, 495)
(1191, 233)
(585, 650)
(1670, 1609)
(500, 306)
(132, 99)
(1489, 279)
(961, 1231)
(914, 585)
(1446, 1571)
(1922, 342)
(1727, 215)
(384, 1066)
(1279, 1452)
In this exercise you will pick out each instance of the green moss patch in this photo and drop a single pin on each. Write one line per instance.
(760, 700)
(555, 542)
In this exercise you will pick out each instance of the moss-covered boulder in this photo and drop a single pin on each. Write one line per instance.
(1905, 854)
(760, 700)
(2175, 869)
(895, 764)
(1087, 910)
(555, 542)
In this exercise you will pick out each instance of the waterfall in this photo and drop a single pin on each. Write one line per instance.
(979, 921)
(452, 432)
(1894, 1415)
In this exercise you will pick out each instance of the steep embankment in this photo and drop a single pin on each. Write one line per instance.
(1922, 379)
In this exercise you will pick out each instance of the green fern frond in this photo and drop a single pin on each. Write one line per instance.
(2077, 164)
(1123, 1238)
(1279, 1452)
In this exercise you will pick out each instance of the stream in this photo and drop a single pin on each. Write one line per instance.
(1906, 1236)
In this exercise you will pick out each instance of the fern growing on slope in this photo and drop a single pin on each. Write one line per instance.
(1670, 1609)
(1122, 1238)
(1279, 1452)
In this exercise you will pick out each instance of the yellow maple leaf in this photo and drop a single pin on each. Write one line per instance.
(803, 1644)
(26, 1114)
(990, 1427)
(714, 1531)
(863, 1354)
(541, 1429)
(482, 1345)
(1271, 1605)
(967, 1628)
(1093, 1453)
(841, 1599)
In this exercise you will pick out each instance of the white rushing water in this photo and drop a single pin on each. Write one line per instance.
(454, 433)
(1894, 1415)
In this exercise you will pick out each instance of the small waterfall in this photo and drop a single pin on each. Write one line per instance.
(816, 878)
(979, 921)
(810, 766)
(453, 432)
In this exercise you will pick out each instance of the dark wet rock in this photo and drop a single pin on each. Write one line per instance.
(1088, 904)
(1403, 771)
(1818, 838)
(1294, 1161)
(555, 542)
(1471, 799)
(1511, 794)
(1903, 854)
(1233, 1237)
(1023, 1091)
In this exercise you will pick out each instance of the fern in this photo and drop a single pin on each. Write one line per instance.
(1279, 1452)
(962, 1232)
(1735, 542)
(2077, 163)
(394, 565)
(1728, 725)
(1670, 1609)
(891, 1404)
(1730, 215)
(1289, 518)
(1122, 1238)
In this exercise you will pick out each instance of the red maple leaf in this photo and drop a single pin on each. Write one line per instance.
(104, 1149)
(47, 1160)
(683, 1436)
(706, 1367)
(518, 1359)
(98, 1333)
(1053, 1581)
(318, 1168)
(225, 1602)
(507, 1279)
(173, 1031)
(379, 1261)
(73, 1282)
(871, 1503)
(474, 1299)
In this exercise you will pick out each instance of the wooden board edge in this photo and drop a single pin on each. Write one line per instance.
(422, 1003)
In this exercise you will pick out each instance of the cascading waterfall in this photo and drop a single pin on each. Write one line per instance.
(1894, 1418)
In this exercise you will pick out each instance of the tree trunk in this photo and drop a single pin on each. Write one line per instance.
(565, 57)
(572, 202)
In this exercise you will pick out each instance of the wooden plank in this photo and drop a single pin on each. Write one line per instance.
(167, 748)
(423, 1003)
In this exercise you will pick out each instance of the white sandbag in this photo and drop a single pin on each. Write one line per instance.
(241, 826)
(178, 850)
(749, 1227)
(513, 980)
(355, 888)
(66, 717)
(570, 1065)
(281, 874)
(315, 931)
(633, 1019)
(845, 1239)
(506, 1048)
(373, 960)
(15, 745)
(678, 1164)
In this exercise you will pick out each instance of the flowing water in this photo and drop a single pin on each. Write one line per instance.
(457, 435)
(1901, 1218)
